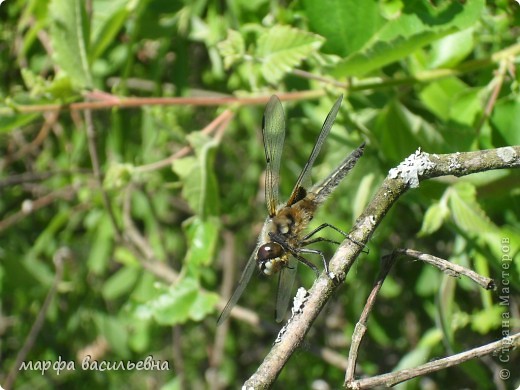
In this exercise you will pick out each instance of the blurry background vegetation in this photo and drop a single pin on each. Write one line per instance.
(145, 278)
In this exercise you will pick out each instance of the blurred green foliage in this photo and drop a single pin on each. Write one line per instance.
(144, 278)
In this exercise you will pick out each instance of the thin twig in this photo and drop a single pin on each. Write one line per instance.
(326, 80)
(215, 359)
(30, 206)
(121, 102)
(448, 268)
(220, 122)
(497, 83)
(91, 137)
(361, 327)
(141, 248)
(35, 177)
(391, 379)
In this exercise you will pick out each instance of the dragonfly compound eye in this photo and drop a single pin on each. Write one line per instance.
(268, 258)
(269, 251)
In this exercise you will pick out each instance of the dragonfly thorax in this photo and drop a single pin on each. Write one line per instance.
(271, 258)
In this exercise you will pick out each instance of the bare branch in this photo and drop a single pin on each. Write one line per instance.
(361, 326)
(448, 268)
(391, 379)
(419, 166)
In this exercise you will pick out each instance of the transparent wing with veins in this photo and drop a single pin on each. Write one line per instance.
(242, 283)
(285, 286)
(303, 181)
(273, 131)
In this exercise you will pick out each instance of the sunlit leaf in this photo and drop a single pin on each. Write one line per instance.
(198, 175)
(70, 34)
(182, 302)
(465, 210)
(433, 218)
(452, 49)
(281, 48)
(506, 120)
(345, 25)
(121, 282)
(420, 25)
(202, 241)
(483, 321)
(232, 48)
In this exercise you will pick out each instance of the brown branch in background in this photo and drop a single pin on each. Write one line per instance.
(30, 206)
(229, 270)
(447, 267)
(391, 379)
(326, 80)
(91, 137)
(119, 102)
(36, 177)
(219, 124)
(140, 247)
(59, 257)
(498, 82)
(50, 119)
(178, 357)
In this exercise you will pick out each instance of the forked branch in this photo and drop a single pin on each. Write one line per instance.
(391, 379)
(419, 166)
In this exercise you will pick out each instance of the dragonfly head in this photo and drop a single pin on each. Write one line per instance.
(271, 257)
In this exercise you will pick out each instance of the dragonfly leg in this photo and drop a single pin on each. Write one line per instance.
(316, 252)
(307, 263)
(323, 226)
(318, 239)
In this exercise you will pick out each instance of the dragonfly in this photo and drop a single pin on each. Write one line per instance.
(282, 241)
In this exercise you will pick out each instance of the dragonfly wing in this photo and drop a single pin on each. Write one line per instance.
(303, 181)
(273, 132)
(242, 283)
(285, 287)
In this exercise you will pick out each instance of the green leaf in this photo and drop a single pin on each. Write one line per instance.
(438, 96)
(452, 49)
(465, 210)
(232, 49)
(421, 353)
(345, 25)
(118, 176)
(70, 40)
(180, 303)
(395, 127)
(281, 48)
(121, 282)
(202, 241)
(419, 24)
(486, 320)
(506, 120)
(197, 174)
(102, 239)
(466, 107)
(13, 120)
(433, 218)
(428, 281)
(108, 18)
(115, 332)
